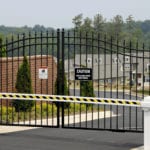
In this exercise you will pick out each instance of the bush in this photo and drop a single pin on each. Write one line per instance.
(2, 49)
(23, 85)
(87, 89)
(61, 87)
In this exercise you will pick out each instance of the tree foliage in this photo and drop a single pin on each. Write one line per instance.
(99, 22)
(23, 85)
(128, 29)
(77, 21)
(61, 87)
(2, 48)
(87, 89)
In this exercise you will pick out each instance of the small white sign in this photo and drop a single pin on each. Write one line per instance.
(43, 73)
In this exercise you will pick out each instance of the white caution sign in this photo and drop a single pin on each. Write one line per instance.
(43, 73)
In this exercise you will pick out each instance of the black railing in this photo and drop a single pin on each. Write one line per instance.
(121, 70)
(42, 51)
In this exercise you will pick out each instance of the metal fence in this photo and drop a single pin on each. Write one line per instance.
(120, 69)
(42, 51)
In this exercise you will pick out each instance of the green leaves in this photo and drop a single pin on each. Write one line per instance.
(87, 89)
(2, 48)
(23, 85)
(61, 87)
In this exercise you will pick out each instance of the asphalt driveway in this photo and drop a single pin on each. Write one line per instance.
(69, 139)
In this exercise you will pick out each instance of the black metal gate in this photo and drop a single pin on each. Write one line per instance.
(42, 52)
(120, 69)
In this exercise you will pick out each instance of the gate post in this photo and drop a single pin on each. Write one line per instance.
(146, 107)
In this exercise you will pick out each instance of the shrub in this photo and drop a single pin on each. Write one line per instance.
(61, 87)
(2, 49)
(87, 90)
(23, 85)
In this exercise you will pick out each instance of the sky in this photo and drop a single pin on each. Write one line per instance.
(59, 13)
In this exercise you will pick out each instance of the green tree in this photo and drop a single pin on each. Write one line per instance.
(87, 25)
(77, 21)
(23, 85)
(61, 87)
(2, 48)
(129, 22)
(117, 25)
(86, 88)
(99, 23)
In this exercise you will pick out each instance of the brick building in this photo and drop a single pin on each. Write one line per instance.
(9, 67)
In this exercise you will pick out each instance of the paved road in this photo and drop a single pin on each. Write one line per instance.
(69, 139)
(108, 94)
(73, 139)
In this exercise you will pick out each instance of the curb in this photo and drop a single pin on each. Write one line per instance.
(138, 148)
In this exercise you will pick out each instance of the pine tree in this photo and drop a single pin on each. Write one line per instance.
(86, 88)
(61, 87)
(2, 48)
(23, 85)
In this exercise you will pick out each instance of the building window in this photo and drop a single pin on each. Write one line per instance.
(148, 67)
(109, 80)
(89, 60)
(98, 60)
(127, 60)
(147, 79)
(139, 75)
(116, 60)
(125, 67)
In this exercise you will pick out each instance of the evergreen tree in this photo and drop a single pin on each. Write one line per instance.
(61, 87)
(87, 25)
(23, 85)
(86, 88)
(2, 48)
(99, 23)
(77, 21)
(130, 24)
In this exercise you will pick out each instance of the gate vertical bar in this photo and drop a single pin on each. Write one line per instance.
(136, 80)
(6, 78)
(58, 87)
(124, 80)
(30, 66)
(1, 78)
(24, 114)
(41, 82)
(12, 67)
(143, 80)
(117, 111)
(62, 88)
(130, 82)
(105, 48)
(68, 47)
(74, 61)
(111, 78)
(35, 86)
(47, 89)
